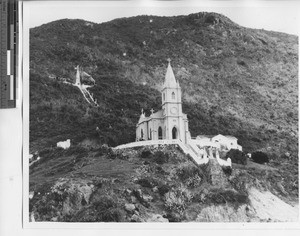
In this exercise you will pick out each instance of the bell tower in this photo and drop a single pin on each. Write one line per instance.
(172, 106)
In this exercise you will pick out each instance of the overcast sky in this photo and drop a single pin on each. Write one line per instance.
(282, 16)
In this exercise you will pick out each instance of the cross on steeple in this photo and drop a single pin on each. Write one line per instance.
(152, 111)
(170, 80)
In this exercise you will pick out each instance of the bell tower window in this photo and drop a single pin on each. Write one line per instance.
(173, 95)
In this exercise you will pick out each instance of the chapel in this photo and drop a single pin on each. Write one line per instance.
(169, 122)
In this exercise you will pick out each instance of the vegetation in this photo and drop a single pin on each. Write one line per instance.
(237, 156)
(98, 187)
(260, 157)
(234, 80)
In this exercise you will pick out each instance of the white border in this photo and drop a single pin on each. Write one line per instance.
(137, 227)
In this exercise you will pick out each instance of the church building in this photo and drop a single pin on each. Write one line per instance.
(169, 122)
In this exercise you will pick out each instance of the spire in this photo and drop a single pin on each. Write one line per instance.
(143, 114)
(142, 117)
(170, 80)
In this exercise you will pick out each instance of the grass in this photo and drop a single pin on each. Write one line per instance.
(173, 186)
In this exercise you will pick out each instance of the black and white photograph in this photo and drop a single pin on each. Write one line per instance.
(162, 112)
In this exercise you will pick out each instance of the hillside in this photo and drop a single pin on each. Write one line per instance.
(156, 184)
(235, 80)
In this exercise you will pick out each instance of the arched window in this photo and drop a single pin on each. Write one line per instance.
(142, 133)
(173, 95)
(159, 132)
(174, 133)
(150, 134)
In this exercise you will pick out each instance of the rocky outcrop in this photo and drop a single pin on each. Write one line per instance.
(157, 218)
(74, 194)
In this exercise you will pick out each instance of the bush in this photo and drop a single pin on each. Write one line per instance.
(163, 189)
(146, 182)
(190, 171)
(237, 156)
(177, 200)
(221, 196)
(104, 203)
(260, 157)
(161, 157)
(227, 170)
(112, 215)
(146, 154)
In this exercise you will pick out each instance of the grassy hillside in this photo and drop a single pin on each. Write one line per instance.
(235, 80)
(153, 184)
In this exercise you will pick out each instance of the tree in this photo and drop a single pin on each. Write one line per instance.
(260, 157)
(237, 156)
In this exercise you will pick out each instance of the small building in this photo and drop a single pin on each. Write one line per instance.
(169, 122)
(205, 141)
(227, 142)
(220, 141)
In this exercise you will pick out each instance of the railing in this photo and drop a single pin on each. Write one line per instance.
(188, 149)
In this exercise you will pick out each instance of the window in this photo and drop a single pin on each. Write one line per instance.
(159, 132)
(150, 134)
(173, 95)
(174, 133)
(142, 133)
(164, 96)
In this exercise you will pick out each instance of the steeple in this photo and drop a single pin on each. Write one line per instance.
(170, 81)
(142, 117)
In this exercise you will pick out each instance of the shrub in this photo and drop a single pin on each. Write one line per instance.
(103, 209)
(221, 196)
(190, 171)
(161, 157)
(104, 149)
(177, 200)
(260, 157)
(163, 189)
(146, 154)
(112, 215)
(227, 170)
(103, 203)
(237, 156)
(146, 182)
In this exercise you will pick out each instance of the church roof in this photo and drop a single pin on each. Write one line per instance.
(170, 80)
(158, 114)
(205, 136)
(142, 117)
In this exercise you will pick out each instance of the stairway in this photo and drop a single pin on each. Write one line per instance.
(88, 97)
(193, 153)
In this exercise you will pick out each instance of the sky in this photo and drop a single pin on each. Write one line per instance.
(282, 16)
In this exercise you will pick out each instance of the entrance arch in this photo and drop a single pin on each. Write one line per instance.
(174, 133)
(159, 132)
